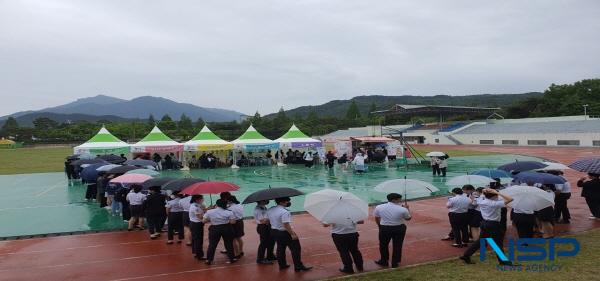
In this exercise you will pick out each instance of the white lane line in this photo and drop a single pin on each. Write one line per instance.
(49, 189)
(87, 262)
(74, 248)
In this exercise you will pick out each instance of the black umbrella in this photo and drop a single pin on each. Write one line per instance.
(180, 184)
(156, 182)
(121, 169)
(272, 193)
(88, 161)
(521, 166)
(115, 159)
(73, 157)
(141, 162)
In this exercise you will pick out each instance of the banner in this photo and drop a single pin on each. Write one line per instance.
(209, 147)
(261, 147)
(394, 148)
(161, 148)
(104, 151)
(306, 144)
(343, 147)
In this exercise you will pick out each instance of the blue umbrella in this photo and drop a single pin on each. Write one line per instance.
(89, 174)
(141, 163)
(492, 173)
(521, 166)
(587, 165)
(542, 178)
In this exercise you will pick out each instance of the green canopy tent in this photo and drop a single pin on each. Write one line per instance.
(294, 138)
(103, 143)
(157, 142)
(253, 141)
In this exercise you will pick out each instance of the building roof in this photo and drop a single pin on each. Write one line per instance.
(373, 139)
(412, 109)
(557, 127)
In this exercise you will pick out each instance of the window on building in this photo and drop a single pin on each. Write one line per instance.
(567, 142)
(437, 140)
(510, 142)
(486, 141)
(536, 142)
(596, 143)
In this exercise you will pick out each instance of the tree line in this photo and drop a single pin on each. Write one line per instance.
(557, 100)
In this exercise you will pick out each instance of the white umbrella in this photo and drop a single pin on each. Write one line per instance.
(528, 197)
(407, 187)
(552, 166)
(106, 168)
(435, 154)
(474, 180)
(332, 206)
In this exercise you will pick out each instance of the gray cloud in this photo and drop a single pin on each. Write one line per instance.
(260, 55)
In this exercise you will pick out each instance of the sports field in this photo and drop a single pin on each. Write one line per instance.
(45, 203)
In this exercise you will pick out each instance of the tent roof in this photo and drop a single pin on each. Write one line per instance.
(206, 136)
(156, 138)
(295, 135)
(251, 136)
(103, 139)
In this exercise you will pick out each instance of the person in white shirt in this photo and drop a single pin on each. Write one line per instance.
(196, 216)
(390, 218)
(238, 228)
(281, 219)
(175, 218)
(308, 159)
(458, 208)
(563, 194)
(266, 245)
(474, 212)
(435, 165)
(491, 209)
(359, 163)
(221, 221)
(185, 204)
(443, 165)
(136, 200)
(345, 238)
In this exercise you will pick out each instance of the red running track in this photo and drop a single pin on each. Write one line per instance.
(132, 256)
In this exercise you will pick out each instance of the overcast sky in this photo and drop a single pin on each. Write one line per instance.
(260, 55)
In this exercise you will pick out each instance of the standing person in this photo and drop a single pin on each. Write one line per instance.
(196, 217)
(345, 238)
(100, 191)
(308, 159)
(185, 204)
(265, 254)
(475, 212)
(175, 215)
(435, 166)
(590, 190)
(154, 208)
(391, 218)
(330, 159)
(238, 227)
(359, 163)
(111, 190)
(524, 221)
(443, 165)
(343, 161)
(563, 194)
(221, 221)
(136, 200)
(458, 207)
(158, 160)
(490, 227)
(91, 192)
(121, 197)
(546, 215)
(281, 228)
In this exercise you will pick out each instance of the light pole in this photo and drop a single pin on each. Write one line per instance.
(585, 110)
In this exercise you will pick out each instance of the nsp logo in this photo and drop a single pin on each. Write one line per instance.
(530, 249)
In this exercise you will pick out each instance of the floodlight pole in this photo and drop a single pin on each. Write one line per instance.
(585, 110)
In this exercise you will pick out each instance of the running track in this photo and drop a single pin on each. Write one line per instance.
(132, 256)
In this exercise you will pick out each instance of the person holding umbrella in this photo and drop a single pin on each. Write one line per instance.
(221, 221)
(175, 218)
(390, 218)
(345, 238)
(196, 217)
(563, 194)
(281, 219)
(490, 226)
(154, 207)
(590, 190)
(266, 245)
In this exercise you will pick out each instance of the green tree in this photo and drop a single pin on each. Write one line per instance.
(185, 127)
(199, 123)
(353, 112)
(167, 124)
(10, 125)
(151, 121)
(372, 109)
(44, 123)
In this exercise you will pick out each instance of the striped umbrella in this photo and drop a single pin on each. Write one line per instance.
(587, 165)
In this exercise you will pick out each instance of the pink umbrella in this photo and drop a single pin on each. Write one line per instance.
(131, 178)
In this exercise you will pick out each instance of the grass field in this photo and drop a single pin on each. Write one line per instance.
(33, 160)
(51, 159)
(583, 266)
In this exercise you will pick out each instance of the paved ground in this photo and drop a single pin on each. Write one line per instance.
(131, 255)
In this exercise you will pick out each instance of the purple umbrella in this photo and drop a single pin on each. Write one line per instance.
(587, 165)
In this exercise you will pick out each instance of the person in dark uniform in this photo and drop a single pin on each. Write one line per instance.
(196, 217)
(136, 206)
(590, 190)
(390, 218)
(345, 238)
(265, 254)
(221, 221)
(491, 227)
(154, 207)
(330, 159)
(175, 218)
(238, 227)
(563, 194)
(281, 228)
